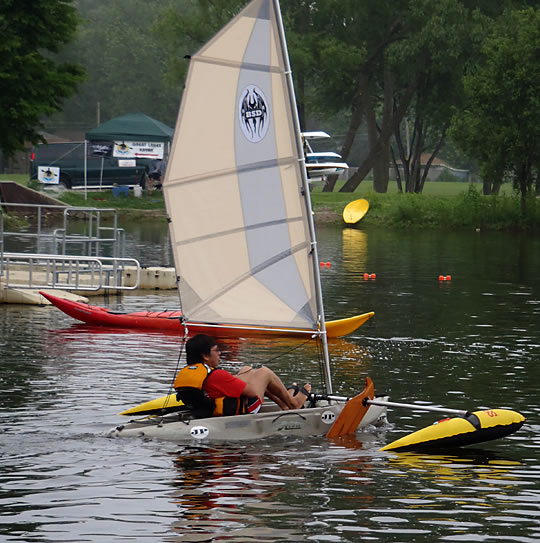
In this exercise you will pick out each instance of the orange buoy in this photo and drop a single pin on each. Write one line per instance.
(328, 264)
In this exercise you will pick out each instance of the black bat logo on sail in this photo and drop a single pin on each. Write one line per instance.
(254, 113)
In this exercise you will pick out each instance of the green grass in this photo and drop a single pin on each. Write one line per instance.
(105, 198)
(447, 205)
(94, 198)
(21, 178)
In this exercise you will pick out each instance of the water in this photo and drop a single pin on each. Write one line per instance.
(469, 343)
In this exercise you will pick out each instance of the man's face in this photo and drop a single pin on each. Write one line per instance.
(212, 359)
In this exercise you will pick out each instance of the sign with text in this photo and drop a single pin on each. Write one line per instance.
(49, 175)
(138, 149)
(127, 163)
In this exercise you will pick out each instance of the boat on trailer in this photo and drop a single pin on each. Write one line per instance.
(321, 164)
(241, 225)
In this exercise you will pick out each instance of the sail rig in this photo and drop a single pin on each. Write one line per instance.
(236, 188)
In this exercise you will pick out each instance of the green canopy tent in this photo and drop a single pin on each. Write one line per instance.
(133, 127)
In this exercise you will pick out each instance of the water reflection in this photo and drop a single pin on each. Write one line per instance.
(259, 491)
(233, 493)
(354, 243)
(468, 344)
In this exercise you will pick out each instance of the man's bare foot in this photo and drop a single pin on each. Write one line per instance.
(292, 389)
(299, 399)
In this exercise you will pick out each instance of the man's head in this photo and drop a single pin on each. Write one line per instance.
(202, 348)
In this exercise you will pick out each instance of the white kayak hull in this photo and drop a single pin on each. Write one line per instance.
(271, 421)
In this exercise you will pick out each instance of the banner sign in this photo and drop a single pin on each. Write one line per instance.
(49, 175)
(100, 148)
(137, 149)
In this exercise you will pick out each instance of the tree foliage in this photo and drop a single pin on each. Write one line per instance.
(358, 66)
(125, 61)
(500, 123)
(420, 73)
(33, 83)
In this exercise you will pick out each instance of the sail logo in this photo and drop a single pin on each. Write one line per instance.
(253, 113)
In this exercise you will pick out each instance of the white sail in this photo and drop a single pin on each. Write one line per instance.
(235, 183)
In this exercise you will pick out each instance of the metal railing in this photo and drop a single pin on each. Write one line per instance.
(49, 265)
(32, 271)
(96, 238)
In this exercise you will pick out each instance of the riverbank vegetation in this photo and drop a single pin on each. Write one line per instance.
(450, 206)
(442, 205)
(397, 84)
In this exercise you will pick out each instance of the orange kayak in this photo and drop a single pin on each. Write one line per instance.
(172, 321)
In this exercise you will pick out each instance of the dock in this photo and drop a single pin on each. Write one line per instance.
(64, 262)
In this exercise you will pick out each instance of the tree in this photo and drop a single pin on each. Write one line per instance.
(422, 65)
(500, 124)
(32, 83)
(449, 42)
(184, 31)
(125, 62)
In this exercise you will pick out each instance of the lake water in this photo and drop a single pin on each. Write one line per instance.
(469, 343)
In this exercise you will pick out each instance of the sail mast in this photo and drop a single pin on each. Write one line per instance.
(236, 192)
(307, 200)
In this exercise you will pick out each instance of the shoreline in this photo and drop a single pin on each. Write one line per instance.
(321, 216)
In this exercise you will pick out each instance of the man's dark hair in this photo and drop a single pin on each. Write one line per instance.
(197, 346)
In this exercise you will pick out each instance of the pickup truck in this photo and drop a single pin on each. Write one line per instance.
(102, 169)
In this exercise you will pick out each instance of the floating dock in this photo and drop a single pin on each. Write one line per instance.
(133, 278)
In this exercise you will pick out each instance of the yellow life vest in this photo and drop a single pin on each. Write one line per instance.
(189, 389)
(193, 375)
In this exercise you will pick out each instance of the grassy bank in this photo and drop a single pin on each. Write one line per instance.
(95, 198)
(447, 205)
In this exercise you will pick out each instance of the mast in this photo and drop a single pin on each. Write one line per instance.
(307, 201)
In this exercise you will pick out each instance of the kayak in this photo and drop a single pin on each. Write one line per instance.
(171, 320)
(322, 415)
(355, 211)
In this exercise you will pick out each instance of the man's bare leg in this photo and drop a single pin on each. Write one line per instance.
(263, 381)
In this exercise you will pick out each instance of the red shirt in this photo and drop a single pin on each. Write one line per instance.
(221, 383)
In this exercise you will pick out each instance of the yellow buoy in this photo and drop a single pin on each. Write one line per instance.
(354, 211)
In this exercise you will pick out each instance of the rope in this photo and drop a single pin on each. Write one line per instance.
(177, 368)
(319, 355)
(288, 352)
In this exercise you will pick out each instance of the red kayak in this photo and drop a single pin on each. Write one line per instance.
(171, 320)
